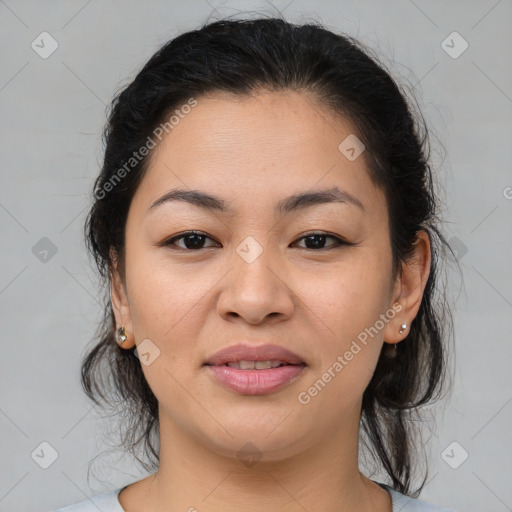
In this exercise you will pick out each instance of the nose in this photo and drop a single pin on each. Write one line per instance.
(256, 291)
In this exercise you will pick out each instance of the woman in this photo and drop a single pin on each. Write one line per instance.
(266, 221)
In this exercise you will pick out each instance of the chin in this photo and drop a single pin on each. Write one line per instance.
(254, 440)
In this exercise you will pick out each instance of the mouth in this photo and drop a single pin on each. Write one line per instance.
(255, 369)
(250, 357)
(256, 365)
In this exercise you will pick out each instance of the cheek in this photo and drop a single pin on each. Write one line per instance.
(163, 297)
(348, 297)
(170, 305)
(347, 306)
(347, 349)
(168, 308)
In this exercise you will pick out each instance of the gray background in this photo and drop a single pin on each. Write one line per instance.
(52, 114)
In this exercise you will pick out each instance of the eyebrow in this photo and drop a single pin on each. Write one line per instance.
(295, 202)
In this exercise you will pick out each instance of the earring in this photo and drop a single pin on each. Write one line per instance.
(121, 335)
(402, 328)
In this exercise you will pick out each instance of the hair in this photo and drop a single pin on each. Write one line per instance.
(243, 57)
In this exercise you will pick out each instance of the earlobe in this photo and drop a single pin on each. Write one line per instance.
(123, 325)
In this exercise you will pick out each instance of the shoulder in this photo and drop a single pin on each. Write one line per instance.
(106, 502)
(403, 503)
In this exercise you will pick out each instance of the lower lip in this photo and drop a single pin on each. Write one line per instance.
(256, 382)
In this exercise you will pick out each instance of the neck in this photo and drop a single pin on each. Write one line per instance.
(193, 477)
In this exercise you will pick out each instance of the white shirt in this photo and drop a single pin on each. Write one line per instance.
(109, 502)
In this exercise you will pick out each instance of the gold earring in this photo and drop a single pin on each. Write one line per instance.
(402, 328)
(121, 335)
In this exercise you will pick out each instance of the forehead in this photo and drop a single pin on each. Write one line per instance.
(269, 145)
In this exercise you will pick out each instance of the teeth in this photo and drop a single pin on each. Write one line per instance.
(262, 365)
(255, 365)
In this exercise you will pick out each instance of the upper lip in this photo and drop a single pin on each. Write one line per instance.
(249, 352)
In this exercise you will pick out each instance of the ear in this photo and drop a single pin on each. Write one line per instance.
(120, 303)
(409, 287)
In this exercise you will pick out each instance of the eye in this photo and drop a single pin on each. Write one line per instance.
(193, 240)
(316, 240)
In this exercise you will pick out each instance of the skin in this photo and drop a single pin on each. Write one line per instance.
(253, 152)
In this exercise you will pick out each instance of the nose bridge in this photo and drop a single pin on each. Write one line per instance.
(255, 289)
(254, 265)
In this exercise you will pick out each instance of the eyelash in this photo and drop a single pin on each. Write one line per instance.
(337, 240)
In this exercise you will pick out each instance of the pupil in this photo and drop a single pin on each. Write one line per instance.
(315, 245)
(196, 241)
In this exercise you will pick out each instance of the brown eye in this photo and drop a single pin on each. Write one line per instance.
(192, 240)
(195, 240)
(317, 241)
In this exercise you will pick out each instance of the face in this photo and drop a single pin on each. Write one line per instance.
(311, 277)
